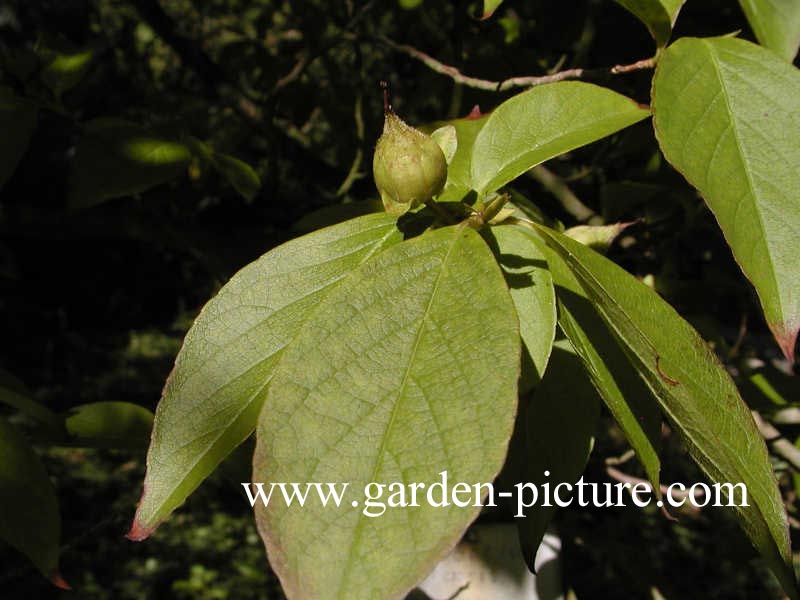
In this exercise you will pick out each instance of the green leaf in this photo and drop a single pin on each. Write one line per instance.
(560, 424)
(211, 400)
(489, 6)
(17, 122)
(544, 122)
(65, 71)
(608, 367)
(116, 425)
(29, 519)
(118, 158)
(776, 24)
(727, 116)
(238, 173)
(658, 15)
(531, 286)
(597, 237)
(406, 370)
(695, 392)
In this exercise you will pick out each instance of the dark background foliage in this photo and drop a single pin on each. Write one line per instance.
(95, 301)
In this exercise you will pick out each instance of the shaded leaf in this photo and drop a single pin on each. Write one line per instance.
(65, 70)
(658, 15)
(116, 425)
(727, 116)
(238, 173)
(531, 286)
(776, 24)
(118, 158)
(561, 419)
(17, 122)
(406, 370)
(695, 393)
(29, 519)
(15, 393)
(608, 367)
(213, 395)
(544, 122)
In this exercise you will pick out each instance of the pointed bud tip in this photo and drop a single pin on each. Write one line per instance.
(786, 336)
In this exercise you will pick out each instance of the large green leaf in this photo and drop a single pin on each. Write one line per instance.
(727, 116)
(406, 370)
(118, 158)
(609, 369)
(531, 286)
(544, 122)
(560, 419)
(695, 392)
(17, 122)
(29, 518)
(776, 24)
(211, 400)
(658, 15)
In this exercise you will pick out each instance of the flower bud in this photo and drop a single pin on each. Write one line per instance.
(409, 167)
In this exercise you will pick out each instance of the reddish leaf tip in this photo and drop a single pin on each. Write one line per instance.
(475, 113)
(139, 533)
(786, 336)
(59, 582)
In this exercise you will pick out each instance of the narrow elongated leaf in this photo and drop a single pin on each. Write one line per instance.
(118, 158)
(776, 24)
(560, 425)
(658, 15)
(695, 392)
(29, 518)
(614, 378)
(407, 370)
(531, 286)
(727, 116)
(211, 400)
(65, 71)
(120, 425)
(17, 122)
(544, 122)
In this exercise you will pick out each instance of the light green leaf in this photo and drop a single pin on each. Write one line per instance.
(609, 369)
(447, 139)
(489, 6)
(119, 425)
(727, 116)
(776, 24)
(118, 158)
(406, 370)
(544, 122)
(658, 15)
(560, 418)
(238, 173)
(211, 400)
(29, 519)
(17, 122)
(597, 237)
(409, 4)
(531, 286)
(695, 393)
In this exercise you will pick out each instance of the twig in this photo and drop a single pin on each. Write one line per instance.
(779, 444)
(569, 201)
(512, 82)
